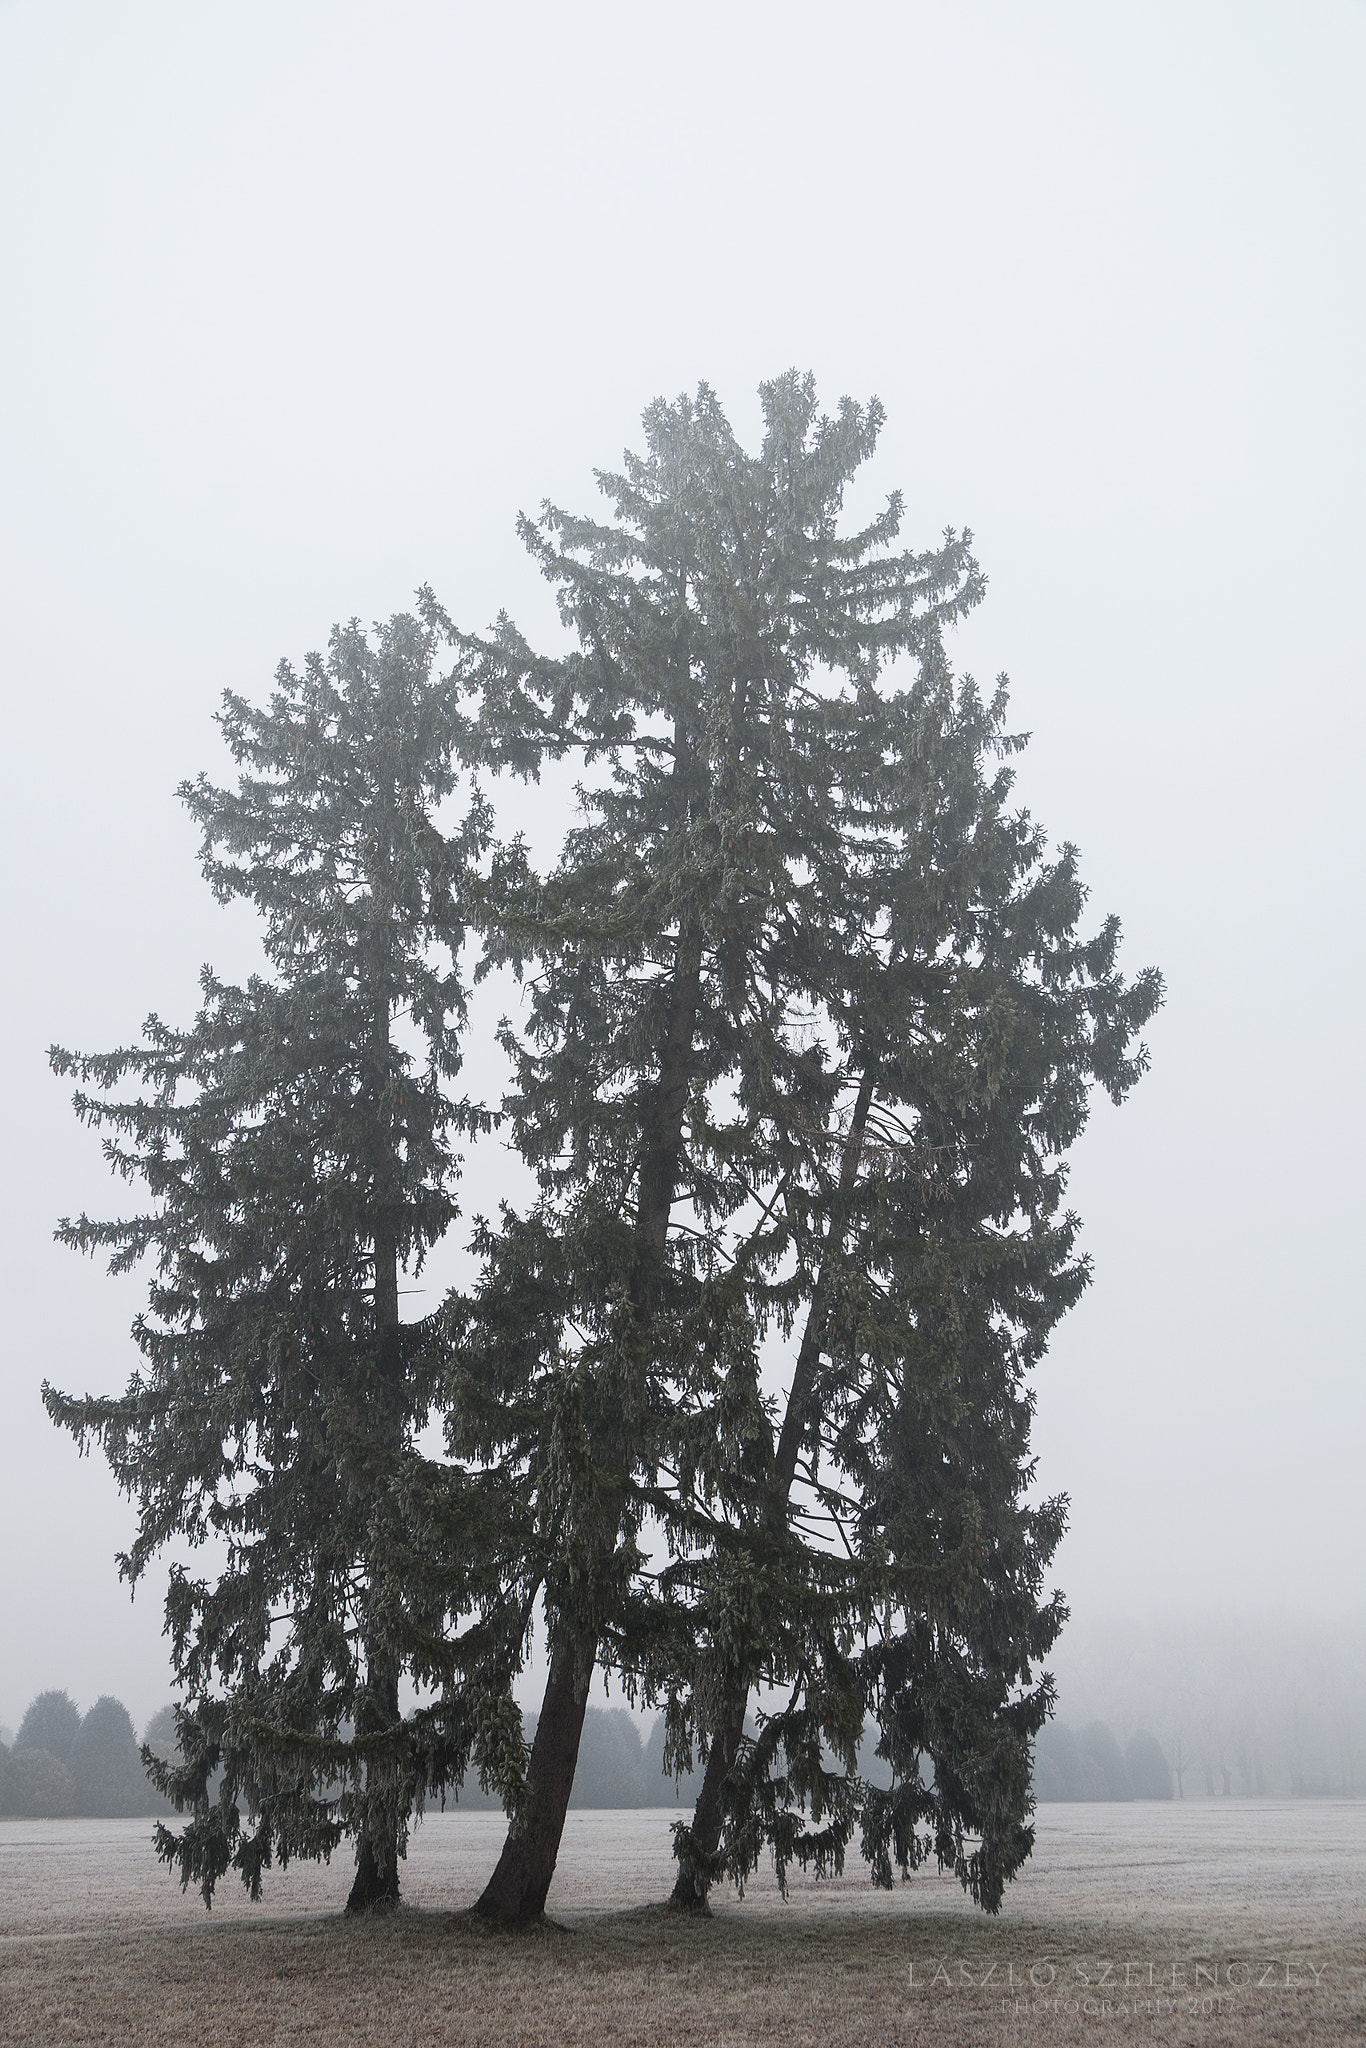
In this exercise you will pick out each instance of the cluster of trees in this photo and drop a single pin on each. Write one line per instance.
(1235, 1722)
(802, 1025)
(1089, 1764)
(66, 1762)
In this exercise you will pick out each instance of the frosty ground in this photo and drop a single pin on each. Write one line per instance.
(1206, 1921)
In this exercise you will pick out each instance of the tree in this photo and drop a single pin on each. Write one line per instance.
(52, 1722)
(611, 1355)
(1178, 1754)
(1098, 1746)
(37, 1786)
(160, 1737)
(1149, 1773)
(807, 1030)
(106, 1766)
(810, 1003)
(297, 1145)
(1064, 1770)
(967, 1023)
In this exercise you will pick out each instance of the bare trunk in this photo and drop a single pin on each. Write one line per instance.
(516, 1893)
(703, 1838)
(376, 1882)
(377, 1844)
(704, 1834)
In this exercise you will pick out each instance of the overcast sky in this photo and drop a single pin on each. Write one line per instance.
(304, 302)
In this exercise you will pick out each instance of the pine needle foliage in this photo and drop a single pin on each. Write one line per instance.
(810, 1028)
(808, 1023)
(662, 1089)
(297, 1146)
(889, 1561)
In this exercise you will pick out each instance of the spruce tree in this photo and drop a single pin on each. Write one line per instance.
(610, 1340)
(296, 1143)
(964, 1023)
(52, 1722)
(810, 1032)
(967, 1023)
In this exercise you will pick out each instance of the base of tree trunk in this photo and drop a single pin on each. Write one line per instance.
(703, 1836)
(689, 1896)
(374, 1889)
(511, 1904)
(515, 1895)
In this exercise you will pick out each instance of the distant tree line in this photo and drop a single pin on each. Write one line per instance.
(63, 1763)
(618, 1767)
(1089, 1764)
(66, 1762)
(1233, 1721)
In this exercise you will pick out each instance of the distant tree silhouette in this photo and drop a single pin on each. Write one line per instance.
(106, 1764)
(1098, 1744)
(53, 1722)
(1059, 1770)
(661, 1787)
(160, 1735)
(1047, 1780)
(1089, 1765)
(1149, 1773)
(611, 1765)
(37, 1785)
(1179, 1758)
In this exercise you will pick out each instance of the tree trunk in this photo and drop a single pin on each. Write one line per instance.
(376, 1882)
(516, 1893)
(703, 1838)
(690, 1890)
(377, 1858)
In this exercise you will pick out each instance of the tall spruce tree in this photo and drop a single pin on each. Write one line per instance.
(964, 1024)
(874, 999)
(612, 1339)
(297, 1145)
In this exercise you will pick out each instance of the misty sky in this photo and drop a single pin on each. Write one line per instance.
(304, 302)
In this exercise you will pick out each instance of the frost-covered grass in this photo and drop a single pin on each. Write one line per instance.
(98, 1945)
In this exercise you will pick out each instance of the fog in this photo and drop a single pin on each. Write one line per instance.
(303, 304)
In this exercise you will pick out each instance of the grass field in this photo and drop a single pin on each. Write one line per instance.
(1203, 1922)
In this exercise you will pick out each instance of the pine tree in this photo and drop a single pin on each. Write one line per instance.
(964, 1025)
(105, 1766)
(610, 1340)
(296, 1142)
(810, 1031)
(52, 1722)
